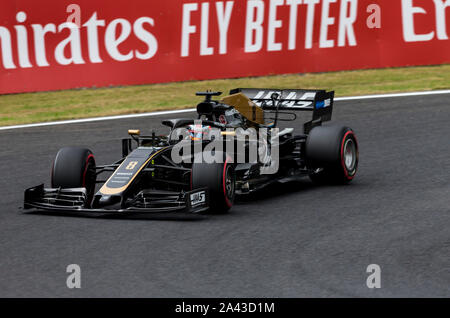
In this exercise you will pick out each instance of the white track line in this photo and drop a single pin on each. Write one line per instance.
(88, 120)
(170, 112)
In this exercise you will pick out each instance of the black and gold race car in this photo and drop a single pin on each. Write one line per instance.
(174, 172)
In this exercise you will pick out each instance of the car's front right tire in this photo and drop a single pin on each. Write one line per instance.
(74, 167)
(219, 178)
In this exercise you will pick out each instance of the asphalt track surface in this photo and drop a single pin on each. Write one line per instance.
(296, 240)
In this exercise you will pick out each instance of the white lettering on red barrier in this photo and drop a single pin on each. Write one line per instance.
(95, 44)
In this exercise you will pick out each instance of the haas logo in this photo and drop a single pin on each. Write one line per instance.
(198, 198)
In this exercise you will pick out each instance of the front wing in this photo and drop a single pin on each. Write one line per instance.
(74, 200)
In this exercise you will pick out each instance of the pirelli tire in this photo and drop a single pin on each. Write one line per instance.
(74, 168)
(220, 179)
(332, 151)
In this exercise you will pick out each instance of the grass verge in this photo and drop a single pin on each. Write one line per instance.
(70, 104)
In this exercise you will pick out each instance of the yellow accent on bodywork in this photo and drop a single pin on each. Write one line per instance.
(246, 107)
(228, 133)
(134, 132)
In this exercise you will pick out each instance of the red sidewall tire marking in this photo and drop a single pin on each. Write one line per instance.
(227, 201)
(51, 175)
(342, 154)
(85, 169)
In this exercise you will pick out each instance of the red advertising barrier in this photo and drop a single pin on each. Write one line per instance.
(50, 45)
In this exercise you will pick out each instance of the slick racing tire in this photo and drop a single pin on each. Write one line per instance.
(74, 168)
(333, 152)
(219, 179)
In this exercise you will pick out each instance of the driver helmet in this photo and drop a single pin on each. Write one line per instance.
(199, 132)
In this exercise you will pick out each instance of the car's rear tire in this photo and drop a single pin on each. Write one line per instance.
(74, 168)
(333, 151)
(219, 179)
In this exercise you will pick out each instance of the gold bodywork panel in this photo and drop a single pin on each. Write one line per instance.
(246, 107)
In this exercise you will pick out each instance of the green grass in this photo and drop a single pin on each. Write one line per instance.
(70, 104)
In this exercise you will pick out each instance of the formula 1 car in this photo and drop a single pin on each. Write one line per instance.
(148, 179)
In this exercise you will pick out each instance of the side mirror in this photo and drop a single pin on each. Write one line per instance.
(134, 132)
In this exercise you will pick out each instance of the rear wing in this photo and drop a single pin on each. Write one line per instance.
(320, 102)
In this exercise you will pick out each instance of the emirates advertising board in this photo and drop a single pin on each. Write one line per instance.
(52, 45)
